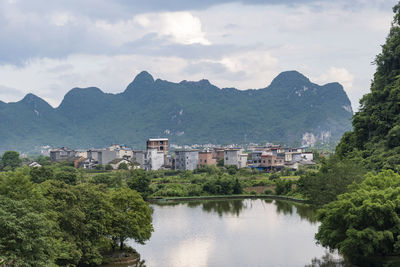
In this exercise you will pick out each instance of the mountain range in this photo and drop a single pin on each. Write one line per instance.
(291, 110)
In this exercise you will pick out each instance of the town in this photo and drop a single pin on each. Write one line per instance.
(157, 156)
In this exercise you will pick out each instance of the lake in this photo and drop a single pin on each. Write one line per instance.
(248, 232)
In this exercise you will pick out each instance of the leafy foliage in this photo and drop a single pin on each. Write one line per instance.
(364, 222)
(376, 131)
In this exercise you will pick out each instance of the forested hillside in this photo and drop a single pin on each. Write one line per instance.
(375, 138)
(289, 110)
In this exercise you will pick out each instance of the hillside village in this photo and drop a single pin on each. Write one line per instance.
(157, 156)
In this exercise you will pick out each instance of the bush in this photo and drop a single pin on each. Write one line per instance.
(268, 192)
(108, 167)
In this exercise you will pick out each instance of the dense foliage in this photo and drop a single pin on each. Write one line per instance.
(375, 138)
(365, 222)
(54, 215)
(186, 112)
(331, 180)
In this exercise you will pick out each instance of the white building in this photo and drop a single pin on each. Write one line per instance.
(154, 159)
(235, 157)
(186, 159)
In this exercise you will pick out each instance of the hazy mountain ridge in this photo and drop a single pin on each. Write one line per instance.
(186, 112)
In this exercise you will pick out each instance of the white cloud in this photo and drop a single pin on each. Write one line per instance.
(181, 27)
(341, 75)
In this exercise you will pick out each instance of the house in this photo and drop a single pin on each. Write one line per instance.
(62, 154)
(161, 144)
(218, 154)
(116, 162)
(154, 159)
(186, 159)
(34, 164)
(235, 157)
(139, 157)
(294, 165)
(272, 162)
(256, 158)
(101, 156)
(122, 151)
(292, 156)
(207, 158)
(308, 156)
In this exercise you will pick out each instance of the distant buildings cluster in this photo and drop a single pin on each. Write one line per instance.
(156, 156)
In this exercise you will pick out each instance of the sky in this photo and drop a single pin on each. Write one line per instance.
(49, 47)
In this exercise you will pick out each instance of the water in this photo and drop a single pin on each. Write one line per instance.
(232, 233)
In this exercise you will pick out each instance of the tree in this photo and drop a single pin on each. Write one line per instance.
(139, 181)
(26, 236)
(237, 187)
(10, 160)
(41, 174)
(365, 222)
(282, 187)
(333, 178)
(123, 166)
(376, 133)
(131, 217)
(108, 167)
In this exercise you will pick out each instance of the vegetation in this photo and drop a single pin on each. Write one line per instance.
(361, 218)
(375, 138)
(55, 215)
(364, 222)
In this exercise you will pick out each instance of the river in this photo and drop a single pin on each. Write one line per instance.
(248, 232)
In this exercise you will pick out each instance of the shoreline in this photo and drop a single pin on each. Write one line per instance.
(223, 197)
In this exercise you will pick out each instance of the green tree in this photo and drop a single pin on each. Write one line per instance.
(282, 187)
(375, 138)
(26, 236)
(131, 217)
(331, 180)
(41, 174)
(138, 180)
(10, 160)
(108, 167)
(123, 166)
(365, 222)
(237, 187)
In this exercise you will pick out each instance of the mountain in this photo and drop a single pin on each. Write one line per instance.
(290, 110)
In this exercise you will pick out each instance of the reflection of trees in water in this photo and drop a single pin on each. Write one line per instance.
(231, 207)
(304, 211)
(328, 260)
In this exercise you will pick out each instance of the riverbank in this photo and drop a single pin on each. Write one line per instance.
(225, 197)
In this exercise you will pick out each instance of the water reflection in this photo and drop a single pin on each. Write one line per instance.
(289, 208)
(240, 232)
(328, 260)
(220, 207)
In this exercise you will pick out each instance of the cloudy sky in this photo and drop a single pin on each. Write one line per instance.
(49, 47)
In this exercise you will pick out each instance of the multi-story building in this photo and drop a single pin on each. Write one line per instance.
(122, 151)
(154, 159)
(101, 156)
(235, 157)
(207, 158)
(161, 144)
(186, 159)
(272, 162)
(62, 154)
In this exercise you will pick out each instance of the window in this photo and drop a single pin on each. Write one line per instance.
(161, 142)
(161, 148)
(226, 158)
(205, 161)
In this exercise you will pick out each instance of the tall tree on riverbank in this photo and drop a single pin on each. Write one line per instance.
(131, 216)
